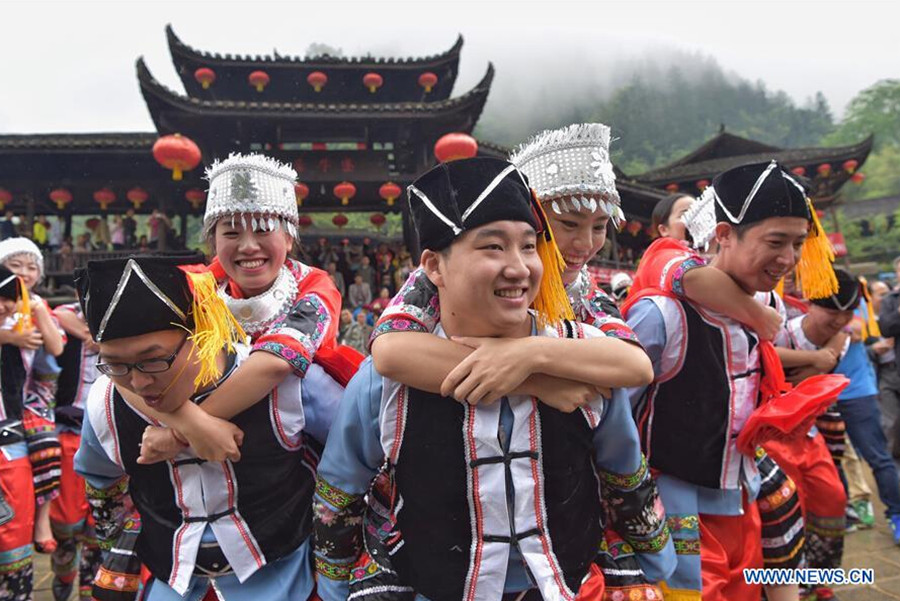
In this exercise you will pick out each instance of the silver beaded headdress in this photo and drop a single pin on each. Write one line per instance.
(569, 169)
(253, 190)
(700, 218)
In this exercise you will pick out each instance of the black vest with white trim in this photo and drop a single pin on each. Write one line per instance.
(689, 418)
(462, 502)
(259, 507)
(13, 376)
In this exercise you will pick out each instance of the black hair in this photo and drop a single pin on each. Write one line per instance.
(663, 210)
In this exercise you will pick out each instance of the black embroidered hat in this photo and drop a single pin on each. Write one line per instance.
(458, 196)
(141, 294)
(9, 287)
(135, 295)
(751, 193)
(461, 195)
(848, 295)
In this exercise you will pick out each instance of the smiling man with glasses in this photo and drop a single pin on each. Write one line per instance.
(165, 336)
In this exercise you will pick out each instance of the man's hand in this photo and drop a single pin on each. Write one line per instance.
(882, 346)
(159, 444)
(494, 370)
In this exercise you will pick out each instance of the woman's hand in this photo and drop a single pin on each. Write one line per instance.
(495, 369)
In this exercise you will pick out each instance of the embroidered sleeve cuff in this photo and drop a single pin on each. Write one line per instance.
(675, 279)
(288, 349)
(396, 323)
(333, 495)
(627, 481)
(332, 570)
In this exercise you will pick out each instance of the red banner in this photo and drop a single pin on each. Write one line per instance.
(837, 242)
(603, 275)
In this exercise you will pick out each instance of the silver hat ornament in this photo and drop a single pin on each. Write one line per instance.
(254, 190)
(700, 218)
(570, 169)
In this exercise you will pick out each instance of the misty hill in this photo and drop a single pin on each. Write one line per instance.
(659, 107)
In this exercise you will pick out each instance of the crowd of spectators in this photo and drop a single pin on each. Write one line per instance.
(367, 274)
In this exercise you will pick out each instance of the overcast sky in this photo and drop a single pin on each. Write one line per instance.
(69, 66)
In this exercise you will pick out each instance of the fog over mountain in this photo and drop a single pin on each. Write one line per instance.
(70, 66)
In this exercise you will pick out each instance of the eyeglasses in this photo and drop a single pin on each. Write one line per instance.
(150, 366)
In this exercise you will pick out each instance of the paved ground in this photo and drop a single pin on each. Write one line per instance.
(863, 549)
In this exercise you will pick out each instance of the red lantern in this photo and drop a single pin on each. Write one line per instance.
(104, 197)
(850, 165)
(672, 188)
(137, 197)
(858, 177)
(634, 227)
(373, 81)
(428, 80)
(389, 191)
(61, 197)
(178, 153)
(824, 169)
(801, 171)
(205, 77)
(259, 80)
(703, 184)
(339, 220)
(345, 191)
(301, 191)
(378, 219)
(196, 197)
(5, 198)
(820, 213)
(317, 80)
(304, 221)
(455, 146)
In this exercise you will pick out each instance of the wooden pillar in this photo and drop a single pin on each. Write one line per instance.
(67, 232)
(29, 214)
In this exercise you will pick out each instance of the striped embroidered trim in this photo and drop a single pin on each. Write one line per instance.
(332, 571)
(334, 495)
(686, 547)
(626, 481)
(117, 489)
(117, 581)
(683, 523)
(651, 545)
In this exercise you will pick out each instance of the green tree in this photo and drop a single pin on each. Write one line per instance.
(874, 110)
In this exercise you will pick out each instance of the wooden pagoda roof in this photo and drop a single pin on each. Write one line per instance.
(31, 165)
(288, 76)
(725, 151)
(460, 113)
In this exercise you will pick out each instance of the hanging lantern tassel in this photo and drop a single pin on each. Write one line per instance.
(815, 270)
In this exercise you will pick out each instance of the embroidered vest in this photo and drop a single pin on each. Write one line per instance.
(258, 508)
(13, 377)
(452, 486)
(689, 420)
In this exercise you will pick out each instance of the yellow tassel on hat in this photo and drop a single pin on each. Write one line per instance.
(24, 322)
(870, 327)
(215, 328)
(552, 302)
(816, 274)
